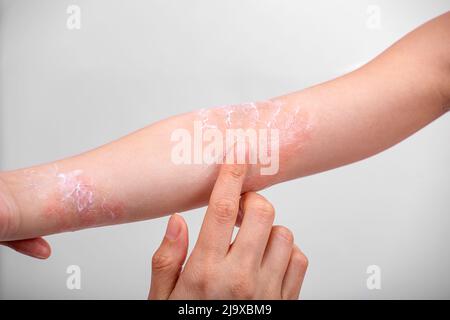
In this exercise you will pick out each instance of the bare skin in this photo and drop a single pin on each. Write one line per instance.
(262, 262)
(322, 127)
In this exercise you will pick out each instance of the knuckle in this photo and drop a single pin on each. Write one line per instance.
(201, 280)
(261, 208)
(283, 233)
(224, 210)
(235, 171)
(161, 261)
(300, 260)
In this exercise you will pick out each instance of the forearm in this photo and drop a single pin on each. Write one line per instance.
(320, 128)
(380, 104)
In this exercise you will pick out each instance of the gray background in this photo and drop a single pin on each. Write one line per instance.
(134, 62)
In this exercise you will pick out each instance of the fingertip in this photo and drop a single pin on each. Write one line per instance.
(45, 249)
(39, 248)
(183, 227)
(177, 232)
(174, 228)
(36, 248)
(300, 258)
(178, 219)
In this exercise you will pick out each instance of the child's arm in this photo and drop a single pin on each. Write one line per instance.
(320, 128)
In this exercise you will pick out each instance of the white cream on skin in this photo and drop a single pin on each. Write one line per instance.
(265, 113)
(274, 123)
(268, 114)
(75, 190)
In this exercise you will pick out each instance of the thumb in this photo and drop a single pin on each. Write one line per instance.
(168, 260)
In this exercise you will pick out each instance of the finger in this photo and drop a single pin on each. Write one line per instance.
(293, 279)
(277, 255)
(218, 224)
(251, 240)
(36, 248)
(168, 260)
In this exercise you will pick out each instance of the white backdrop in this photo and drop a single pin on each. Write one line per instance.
(134, 62)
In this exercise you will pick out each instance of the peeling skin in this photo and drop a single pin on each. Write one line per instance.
(76, 197)
(112, 209)
(72, 201)
(75, 189)
(271, 114)
(94, 208)
(293, 123)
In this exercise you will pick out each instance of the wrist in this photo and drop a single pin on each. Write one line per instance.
(9, 212)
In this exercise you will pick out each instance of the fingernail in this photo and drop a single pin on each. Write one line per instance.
(173, 228)
(43, 253)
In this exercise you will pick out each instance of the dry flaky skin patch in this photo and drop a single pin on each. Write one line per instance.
(72, 201)
(293, 123)
(77, 190)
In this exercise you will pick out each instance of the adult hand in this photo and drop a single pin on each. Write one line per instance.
(261, 263)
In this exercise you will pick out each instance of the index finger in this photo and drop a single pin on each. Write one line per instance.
(218, 224)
